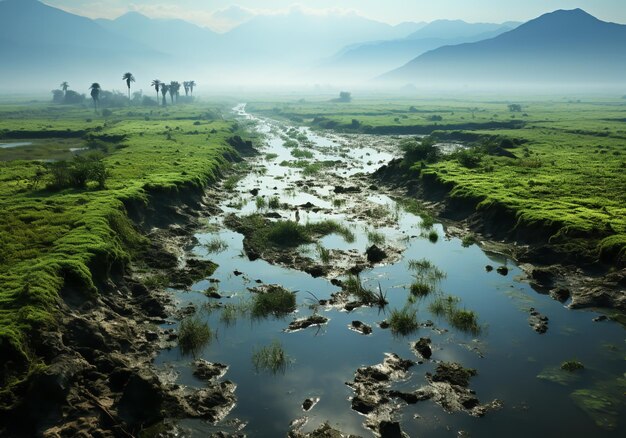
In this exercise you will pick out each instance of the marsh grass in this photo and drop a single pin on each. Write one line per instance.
(215, 245)
(260, 203)
(271, 358)
(233, 311)
(277, 301)
(231, 182)
(420, 289)
(403, 321)
(274, 203)
(323, 253)
(354, 286)
(461, 319)
(375, 238)
(469, 240)
(338, 202)
(433, 236)
(193, 335)
(300, 153)
(271, 157)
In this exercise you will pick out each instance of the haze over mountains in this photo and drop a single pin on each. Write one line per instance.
(42, 46)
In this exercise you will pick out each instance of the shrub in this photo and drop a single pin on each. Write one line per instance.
(275, 301)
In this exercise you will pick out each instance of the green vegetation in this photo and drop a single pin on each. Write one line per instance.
(215, 245)
(354, 286)
(273, 203)
(260, 202)
(301, 153)
(433, 236)
(375, 238)
(276, 301)
(469, 240)
(572, 365)
(427, 277)
(460, 319)
(193, 335)
(403, 321)
(75, 236)
(271, 358)
(323, 253)
(557, 168)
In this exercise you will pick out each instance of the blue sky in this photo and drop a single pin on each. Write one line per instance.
(222, 14)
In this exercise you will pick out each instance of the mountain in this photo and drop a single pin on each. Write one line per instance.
(39, 42)
(374, 58)
(451, 29)
(564, 46)
(298, 39)
(183, 38)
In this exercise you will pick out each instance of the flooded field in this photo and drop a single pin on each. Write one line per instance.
(473, 308)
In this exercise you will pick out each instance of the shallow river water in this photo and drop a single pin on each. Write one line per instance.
(507, 354)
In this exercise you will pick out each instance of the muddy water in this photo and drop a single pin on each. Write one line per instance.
(507, 354)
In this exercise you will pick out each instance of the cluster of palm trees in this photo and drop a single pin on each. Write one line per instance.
(173, 88)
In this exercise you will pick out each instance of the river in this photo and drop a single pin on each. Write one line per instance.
(509, 356)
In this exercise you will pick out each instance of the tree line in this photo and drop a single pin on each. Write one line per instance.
(66, 96)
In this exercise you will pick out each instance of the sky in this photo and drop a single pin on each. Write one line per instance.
(222, 15)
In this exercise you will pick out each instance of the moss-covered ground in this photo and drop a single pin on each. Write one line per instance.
(568, 170)
(55, 237)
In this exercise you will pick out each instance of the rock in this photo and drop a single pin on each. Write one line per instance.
(336, 282)
(600, 318)
(151, 336)
(453, 373)
(342, 189)
(273, 215)
(560, 294)
(307, 206)
(300, 324)
(423, 348)
(316, 271)
(375, 254)
(502, 270)
(206, 370)
(309, 403)
(360, 327)
(383, 325)
(537, 321)
(488, 268)
(389, 429)
(363, 405)
(544, 276)
(237, 273)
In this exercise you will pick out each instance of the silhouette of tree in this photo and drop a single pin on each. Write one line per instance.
(95, 94)
(186, 87)
(164, 89)
(64, 86)
(191, 85)
(157, 85)
(128, 77)
(174, 90)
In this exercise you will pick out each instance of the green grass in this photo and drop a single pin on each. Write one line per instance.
(193, 335)
(567, 180)
(76, 238)
(273, 203)
(375, 238)
(215, 245)
(260, 203)
(461, 319)
(277, 301)
(354, 286)
(323, 253)
(271, 358)
(403, 321)
(301, 153)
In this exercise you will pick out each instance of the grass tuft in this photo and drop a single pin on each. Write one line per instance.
(193, 335)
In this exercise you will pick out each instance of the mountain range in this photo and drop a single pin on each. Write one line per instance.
(42, 46)
(565, 46)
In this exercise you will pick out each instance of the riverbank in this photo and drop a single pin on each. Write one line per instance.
(77, 259)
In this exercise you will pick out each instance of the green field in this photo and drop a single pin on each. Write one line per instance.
(76, 235)
(568, 173)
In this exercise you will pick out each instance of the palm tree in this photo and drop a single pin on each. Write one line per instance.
(64, 86)
(191, 85)
(157, 85)
(164, 89)
(174, 89)
(128, 77)
(186, 87)
(95, 94)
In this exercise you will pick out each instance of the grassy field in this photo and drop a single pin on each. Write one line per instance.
(567, 173)
(56, 236)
